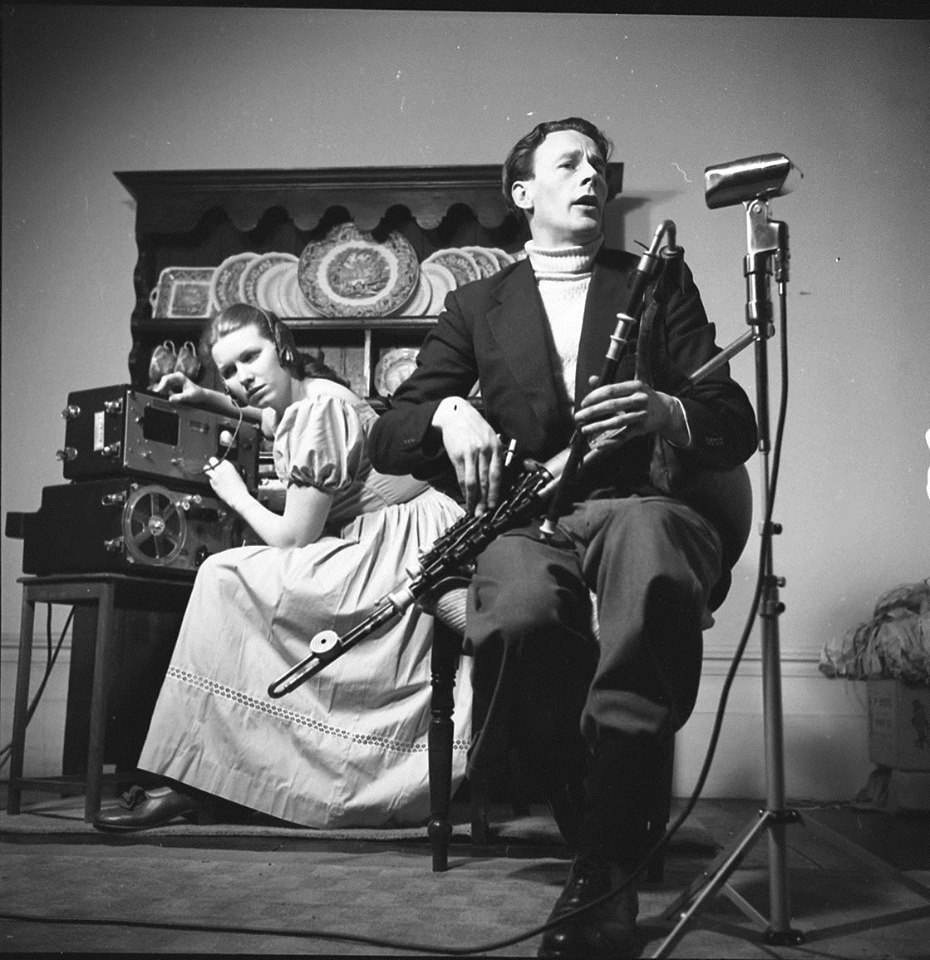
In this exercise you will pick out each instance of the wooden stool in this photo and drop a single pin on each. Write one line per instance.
(108, 594)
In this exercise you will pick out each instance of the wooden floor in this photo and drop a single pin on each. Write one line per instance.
(863, 891)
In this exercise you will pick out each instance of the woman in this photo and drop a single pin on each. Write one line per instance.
(348, 747)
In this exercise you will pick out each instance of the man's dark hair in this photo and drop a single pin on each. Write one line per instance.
(519, 162)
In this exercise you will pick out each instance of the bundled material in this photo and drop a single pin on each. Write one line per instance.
(893, 645)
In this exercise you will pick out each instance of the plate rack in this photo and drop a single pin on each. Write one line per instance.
(198, 218)
(190, 218)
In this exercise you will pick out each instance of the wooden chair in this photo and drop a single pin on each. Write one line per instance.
(448, 633)
(731, 495)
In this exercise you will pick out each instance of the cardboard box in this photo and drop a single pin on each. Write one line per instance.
(899, 725)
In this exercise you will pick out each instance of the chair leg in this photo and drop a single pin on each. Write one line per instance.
(479, 789)
(444, 664)
(660, 810)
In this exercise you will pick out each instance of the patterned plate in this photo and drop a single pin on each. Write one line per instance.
(248, 282)
(420, 301)
(485, 258)
(225, 287)
(349, 274)
(442, 280)
(503, 257)
(463, 265)
(182, 293)
(393, 369)
(292, 299)
(268, 290)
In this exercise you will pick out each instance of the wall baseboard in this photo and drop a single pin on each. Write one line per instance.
(825, 735)
(825, 728)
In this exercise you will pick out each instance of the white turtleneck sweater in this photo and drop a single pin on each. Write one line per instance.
(563, 275)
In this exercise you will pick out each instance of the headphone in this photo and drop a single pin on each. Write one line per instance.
(285, 345)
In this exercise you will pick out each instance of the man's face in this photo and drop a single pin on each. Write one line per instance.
(566, 196)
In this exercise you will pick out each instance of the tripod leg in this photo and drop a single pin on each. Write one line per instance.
(707, 884)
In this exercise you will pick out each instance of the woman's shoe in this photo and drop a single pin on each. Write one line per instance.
(143, 809)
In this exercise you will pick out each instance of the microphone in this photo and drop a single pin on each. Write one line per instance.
(751, 178)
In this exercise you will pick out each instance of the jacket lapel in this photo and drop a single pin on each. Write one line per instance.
(518, 325)
(607, 296)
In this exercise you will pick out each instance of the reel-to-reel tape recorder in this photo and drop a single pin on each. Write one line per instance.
(123, 525)
(139, 500)
(118, 430)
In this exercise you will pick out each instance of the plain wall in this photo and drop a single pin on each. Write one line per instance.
(89, 90)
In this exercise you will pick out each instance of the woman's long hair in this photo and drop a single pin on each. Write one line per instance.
(273, 329)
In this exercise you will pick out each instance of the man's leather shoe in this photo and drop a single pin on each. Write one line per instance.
(607, 931)
(143, 809)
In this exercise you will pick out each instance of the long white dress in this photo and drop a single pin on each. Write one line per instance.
(349, 746)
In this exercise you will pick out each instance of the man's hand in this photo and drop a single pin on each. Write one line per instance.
(475, 452)
(633, 407)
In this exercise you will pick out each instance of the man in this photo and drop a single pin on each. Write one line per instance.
(534, 336)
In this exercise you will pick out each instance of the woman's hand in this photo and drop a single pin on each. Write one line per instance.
(179, 388)
(227, 484)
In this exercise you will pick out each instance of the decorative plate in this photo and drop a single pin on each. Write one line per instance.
(420, 301)
(182, 293)
(462, 264)
(225, 288)
(394, 368)
(503, 257)
(292, 296)
(349, 274)
(442, 280)
(253, 271)
(268, 289)
(485, 258)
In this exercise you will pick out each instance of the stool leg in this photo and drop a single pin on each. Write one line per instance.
(104, 655)
(444, 663)
(21, 701)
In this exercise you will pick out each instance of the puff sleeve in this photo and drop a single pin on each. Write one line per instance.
(319, 443)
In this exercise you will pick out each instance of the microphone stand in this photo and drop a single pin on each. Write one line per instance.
(767, 242)
(767, 253)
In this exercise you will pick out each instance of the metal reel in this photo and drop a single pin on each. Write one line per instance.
(154, 528)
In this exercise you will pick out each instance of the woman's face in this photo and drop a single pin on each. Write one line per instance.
(249, 366)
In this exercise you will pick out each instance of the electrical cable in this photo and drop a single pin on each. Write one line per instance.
(229, 445)
(765, 543)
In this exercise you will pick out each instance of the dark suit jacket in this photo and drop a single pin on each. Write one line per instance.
(495, 331)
